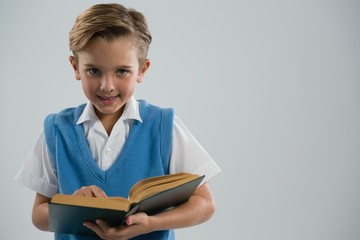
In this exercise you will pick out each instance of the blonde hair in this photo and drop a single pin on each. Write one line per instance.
(110, 21)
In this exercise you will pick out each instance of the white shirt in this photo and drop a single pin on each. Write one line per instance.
(39, 174)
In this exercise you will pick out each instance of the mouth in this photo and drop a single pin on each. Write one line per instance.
(108, 99)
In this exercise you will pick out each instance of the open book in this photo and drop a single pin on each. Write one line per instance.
(151, 195)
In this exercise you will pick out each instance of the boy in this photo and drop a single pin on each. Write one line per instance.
(102, 148)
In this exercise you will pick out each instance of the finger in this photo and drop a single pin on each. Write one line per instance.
(100, 227)
(97, 192)
(94, 227)
(135, 219)
(90, 191)
(83, 192)
(86, 192)
(102, 224)
(76, 193)
(129, 220)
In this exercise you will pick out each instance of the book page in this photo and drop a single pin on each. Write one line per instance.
(117, 203)
(151, 186)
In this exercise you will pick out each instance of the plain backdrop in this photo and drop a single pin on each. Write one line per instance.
(270, 88)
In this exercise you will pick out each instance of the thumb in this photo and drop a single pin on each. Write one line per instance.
(129, 220)
(135, 219)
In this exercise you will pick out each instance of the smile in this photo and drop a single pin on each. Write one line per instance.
(107, 99)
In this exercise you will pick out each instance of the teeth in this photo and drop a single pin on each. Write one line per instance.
(107, 98)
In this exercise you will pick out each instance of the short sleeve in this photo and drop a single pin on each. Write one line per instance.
(188, 155)
(38, 172)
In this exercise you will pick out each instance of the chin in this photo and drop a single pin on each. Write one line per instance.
(109, 110)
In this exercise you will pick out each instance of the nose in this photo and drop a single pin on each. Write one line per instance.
(107, 84)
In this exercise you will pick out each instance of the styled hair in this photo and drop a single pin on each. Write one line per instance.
(110, 21)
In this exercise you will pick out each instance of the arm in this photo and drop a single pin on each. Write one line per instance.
(198, 209)
(40, 212)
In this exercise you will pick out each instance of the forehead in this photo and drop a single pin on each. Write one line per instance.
(120, 50)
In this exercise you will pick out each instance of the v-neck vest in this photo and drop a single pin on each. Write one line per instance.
(146, 153)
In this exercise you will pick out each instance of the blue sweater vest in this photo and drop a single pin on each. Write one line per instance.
(146, 153)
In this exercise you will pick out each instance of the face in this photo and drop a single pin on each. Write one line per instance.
(109, 71)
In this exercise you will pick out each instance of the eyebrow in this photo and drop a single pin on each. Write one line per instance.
(118, 67)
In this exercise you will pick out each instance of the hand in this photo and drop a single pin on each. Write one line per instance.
(90, 191)
(136, 224)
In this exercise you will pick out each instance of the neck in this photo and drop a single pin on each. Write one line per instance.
(109, 120)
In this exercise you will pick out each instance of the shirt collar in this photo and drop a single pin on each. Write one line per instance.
(131, 111)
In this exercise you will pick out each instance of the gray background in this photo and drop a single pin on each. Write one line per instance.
(270, 88)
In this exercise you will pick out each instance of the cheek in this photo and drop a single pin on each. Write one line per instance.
(89, 87)
(126, 87)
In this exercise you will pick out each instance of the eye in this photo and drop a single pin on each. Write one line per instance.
(94, 71)
(122, 72)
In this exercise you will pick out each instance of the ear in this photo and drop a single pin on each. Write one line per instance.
(74, 66)
(143, 70)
